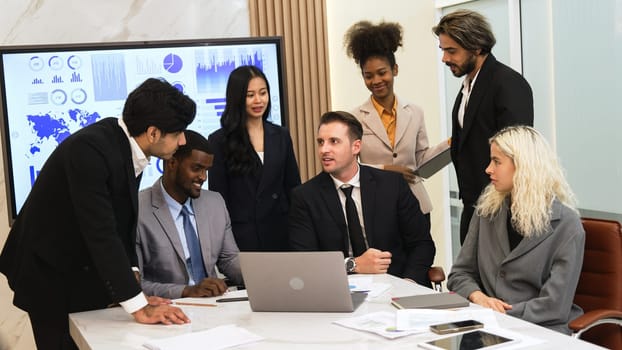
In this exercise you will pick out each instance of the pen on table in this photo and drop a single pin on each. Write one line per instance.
(192, 304)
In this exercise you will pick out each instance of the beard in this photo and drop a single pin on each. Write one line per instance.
(465, 68)
(193, 194)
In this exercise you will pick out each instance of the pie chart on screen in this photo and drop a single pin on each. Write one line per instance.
(179, 86)
(172, 63)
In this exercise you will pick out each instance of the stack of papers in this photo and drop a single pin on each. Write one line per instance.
(381, 323)
(392, 325)
(398, 324)
(362, 283)
(218, 338)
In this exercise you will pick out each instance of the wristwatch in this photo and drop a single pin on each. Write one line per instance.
(350, 265)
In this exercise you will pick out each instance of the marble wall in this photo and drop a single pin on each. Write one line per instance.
(74, 21)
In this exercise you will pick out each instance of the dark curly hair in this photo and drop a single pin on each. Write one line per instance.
(364, 40)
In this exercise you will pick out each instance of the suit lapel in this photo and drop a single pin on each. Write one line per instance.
(329, 195)
(368, 202)
(455, 126)
(501, 230)
(132, 181)
(270, 148)
(528, 244)
(204, 229)
(372, 120)
(163, 215)
(402, 121)
(482, 83)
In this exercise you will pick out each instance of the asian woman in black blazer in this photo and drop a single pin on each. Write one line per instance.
(254, 164)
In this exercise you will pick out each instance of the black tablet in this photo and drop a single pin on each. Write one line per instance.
(467, 341)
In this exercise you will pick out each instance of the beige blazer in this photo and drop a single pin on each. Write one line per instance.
(411, 143)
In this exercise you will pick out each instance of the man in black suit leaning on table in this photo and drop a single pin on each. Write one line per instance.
(379, 229)
(72, 246)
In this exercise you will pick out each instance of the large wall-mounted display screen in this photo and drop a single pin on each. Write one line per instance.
(50, 91)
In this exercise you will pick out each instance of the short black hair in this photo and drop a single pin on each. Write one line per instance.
(157, 103)
(355, 129)
(194, 140)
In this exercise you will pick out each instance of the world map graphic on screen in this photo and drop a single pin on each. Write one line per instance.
(56, 128)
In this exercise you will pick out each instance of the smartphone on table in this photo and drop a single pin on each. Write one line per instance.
(454, 327)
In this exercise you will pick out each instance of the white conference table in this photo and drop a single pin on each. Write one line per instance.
(114, 329)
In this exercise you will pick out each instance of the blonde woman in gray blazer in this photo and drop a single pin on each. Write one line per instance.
(394, 133)
(524, 248)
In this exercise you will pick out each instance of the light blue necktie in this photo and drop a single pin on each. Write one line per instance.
(195, 262)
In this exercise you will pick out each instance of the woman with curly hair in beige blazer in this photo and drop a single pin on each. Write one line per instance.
(394, 133)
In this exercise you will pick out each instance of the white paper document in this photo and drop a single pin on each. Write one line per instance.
(364, 283)
(422, 319)
(381, 323)
(221, 337)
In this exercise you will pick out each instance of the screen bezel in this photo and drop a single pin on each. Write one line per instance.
(48, 48)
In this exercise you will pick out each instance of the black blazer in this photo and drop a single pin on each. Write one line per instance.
(258, 203)
(500, 97)
(393, 221)
(71, 247)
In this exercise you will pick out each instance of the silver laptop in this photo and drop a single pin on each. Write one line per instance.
(298, 282)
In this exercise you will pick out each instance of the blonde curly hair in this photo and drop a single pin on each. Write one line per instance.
(538, 179)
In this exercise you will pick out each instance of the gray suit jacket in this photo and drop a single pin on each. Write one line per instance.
(411, 143)
(538, 278)
(160, 253)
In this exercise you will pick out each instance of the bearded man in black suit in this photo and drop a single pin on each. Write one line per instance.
(492, 97)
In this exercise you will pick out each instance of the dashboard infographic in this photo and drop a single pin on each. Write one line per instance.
(50, 92)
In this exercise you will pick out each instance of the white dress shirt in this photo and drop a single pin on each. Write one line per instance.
(355, 182)
(467, 87)
(140, 162)
(175, 209)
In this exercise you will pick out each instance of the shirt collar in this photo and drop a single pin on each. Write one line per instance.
(139, 159)
(468, 84)
(380, 108)
(174, 205)
(354, 181)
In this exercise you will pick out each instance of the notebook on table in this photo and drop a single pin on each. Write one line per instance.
(298, 282)
(430, 301)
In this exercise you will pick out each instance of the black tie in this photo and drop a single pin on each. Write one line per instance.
(354, 225)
